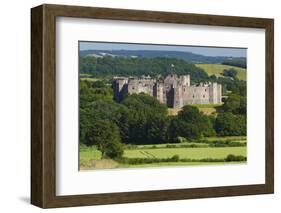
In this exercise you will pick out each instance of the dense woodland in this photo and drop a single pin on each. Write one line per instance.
(236, 62)
(125, 66)
(142, 119)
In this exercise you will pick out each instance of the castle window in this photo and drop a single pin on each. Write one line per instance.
(203, 96)
(192, 96)
(133, 87)
(205, 90)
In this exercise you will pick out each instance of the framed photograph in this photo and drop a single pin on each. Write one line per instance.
(136, 106)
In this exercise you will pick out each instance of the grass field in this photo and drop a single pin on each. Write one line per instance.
(207, 109)
(90, 158)
(193, 153)
(232, 138)
(217, 69)
(87, 77)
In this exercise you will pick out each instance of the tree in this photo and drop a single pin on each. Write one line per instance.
(228, 124)
(235, 104)
(145, 121)
(105, 135)
(181, 128)
(232, 103)
(232, 73)
(191, 124)
(240, 62)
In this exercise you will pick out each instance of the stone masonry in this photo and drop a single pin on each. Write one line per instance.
(175, 91)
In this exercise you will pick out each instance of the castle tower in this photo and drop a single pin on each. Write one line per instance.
(120, 87)
(177, 96)
(215, 93)
(185, 80)
(158, 92)
(219, 92)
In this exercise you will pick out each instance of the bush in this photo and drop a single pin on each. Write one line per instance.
(175, 158)
(231, 157)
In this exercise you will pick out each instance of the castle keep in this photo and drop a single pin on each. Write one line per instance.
(175, 91)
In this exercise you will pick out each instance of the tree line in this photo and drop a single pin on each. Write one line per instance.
(236, 62)
(125, 66)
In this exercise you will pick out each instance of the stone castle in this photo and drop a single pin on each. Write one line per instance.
(175, 91)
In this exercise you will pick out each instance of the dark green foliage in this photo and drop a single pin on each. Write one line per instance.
(202, 122)
(190, 124)
(235, 104)
(230, 124)
(232, 103)
(106, 137)
(232, 116)
(235, 86)
(232, 158)
(145, 122)
(181, 128)
(175, 158)
(93, 91)
(236, 62)
(124, 66)
(232, 73)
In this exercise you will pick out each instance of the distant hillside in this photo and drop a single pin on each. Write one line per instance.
(217, 69)
(124, 66)
(186, 56)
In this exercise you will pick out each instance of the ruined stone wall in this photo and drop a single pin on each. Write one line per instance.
(158, 92)
(136, 86)
(175, 92)
(215, 93)
(178, 97)
(196, 95)
(120, 88)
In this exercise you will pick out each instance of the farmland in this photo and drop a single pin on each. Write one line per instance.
(90, 158)
(217, 69)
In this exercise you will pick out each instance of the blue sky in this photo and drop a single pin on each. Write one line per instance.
(207, 51)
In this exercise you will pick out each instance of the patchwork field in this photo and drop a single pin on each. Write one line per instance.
(217, 69)
(90, 158)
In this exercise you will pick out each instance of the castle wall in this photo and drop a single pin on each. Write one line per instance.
(219, 94)
(175, 92)
(185, 80)
(215, 93)
(158, 92)
(196, 95)
(137, 86)
(178, 97)
(120, 88)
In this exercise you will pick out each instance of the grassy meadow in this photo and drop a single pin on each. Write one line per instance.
(207, 109)
(192, 153)
(217, 69)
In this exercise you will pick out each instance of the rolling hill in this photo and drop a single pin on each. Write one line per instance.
(217, 69)
(186, 56)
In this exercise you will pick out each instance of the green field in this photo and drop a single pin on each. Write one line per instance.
(87, 77)
(90, 158)
(207, 109)
(217, 69)
(193, 153)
